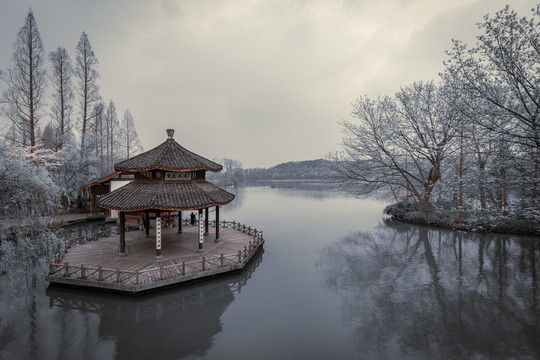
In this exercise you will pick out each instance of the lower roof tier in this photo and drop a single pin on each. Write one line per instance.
(166, 196)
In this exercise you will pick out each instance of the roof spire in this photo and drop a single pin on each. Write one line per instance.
(170, 134)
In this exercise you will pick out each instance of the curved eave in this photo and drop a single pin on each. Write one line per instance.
(133, 170)
(164, 209)
(165, 196)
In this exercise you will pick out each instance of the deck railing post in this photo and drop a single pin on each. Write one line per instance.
(117, 275)
(83, 275)
(183, 268)
(66, 269)
(240, 256)
(100, 273)
(221, 260)
(137, 277)
(161, 272)
(203, 263)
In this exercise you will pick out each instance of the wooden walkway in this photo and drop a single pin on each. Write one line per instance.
(96, 263)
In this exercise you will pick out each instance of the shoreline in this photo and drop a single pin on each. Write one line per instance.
(490, 222)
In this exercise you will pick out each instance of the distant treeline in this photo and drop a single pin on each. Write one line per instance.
(309, 169)
(234, 174)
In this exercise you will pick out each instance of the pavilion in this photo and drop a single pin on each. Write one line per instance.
(167, 178)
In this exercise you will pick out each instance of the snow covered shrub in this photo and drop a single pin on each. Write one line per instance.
(28, 199)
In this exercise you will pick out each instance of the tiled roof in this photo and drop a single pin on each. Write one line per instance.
(168, 196)
(108, 177)
(168, 156)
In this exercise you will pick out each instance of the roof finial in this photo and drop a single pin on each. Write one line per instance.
(170, 134)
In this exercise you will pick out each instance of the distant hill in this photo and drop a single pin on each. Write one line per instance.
(307, 169)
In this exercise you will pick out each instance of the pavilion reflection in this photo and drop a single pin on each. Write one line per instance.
(421, 293)
(169, 324)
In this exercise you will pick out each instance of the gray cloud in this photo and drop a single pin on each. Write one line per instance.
(263, 81)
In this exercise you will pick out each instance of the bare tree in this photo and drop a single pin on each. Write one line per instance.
(87, 88)
(112, 134)
(26, 82)
(48, 137)
(62, 106)
(397, 145)
(130, 138)
(502, 71)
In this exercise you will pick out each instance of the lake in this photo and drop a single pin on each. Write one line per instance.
(335, 280)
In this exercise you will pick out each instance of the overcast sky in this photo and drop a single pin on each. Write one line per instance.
(259, 81)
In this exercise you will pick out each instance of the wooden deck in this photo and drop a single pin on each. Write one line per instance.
(96, 263)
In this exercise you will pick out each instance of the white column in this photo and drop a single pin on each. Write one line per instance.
(158, 239)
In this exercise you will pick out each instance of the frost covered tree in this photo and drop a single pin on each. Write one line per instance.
(87, 88)
(48, 138)
(28, 194)
(23, 98)
(112, 132)
(130, 139)
(502, 71)
(396, 145)
(29, 197)
(62, 97)
(232, 173)
(98, 127)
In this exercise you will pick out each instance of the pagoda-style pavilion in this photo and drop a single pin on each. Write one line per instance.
(167, 178)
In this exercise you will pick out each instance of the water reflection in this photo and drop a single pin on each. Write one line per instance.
(170, 324)
(418, 292)
(316, 189)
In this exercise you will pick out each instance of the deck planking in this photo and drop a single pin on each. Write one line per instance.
(175, 250)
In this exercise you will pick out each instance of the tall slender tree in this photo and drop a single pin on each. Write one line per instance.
(87, 88)
(112, 134)
(62, 71)
(130, 138)
(26, 82)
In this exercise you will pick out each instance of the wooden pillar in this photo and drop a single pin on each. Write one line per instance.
(147, 223)
(217, 224)
(179, 223)
(206, 232)
(201, 232)
(158, 236)
(92, 202)
(122, 225)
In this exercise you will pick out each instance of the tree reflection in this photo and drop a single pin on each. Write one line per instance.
(419, 292)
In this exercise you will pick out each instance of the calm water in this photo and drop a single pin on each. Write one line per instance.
(335, 281)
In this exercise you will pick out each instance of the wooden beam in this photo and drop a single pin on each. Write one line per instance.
(217, 224)
(147, 223)
(122, 234)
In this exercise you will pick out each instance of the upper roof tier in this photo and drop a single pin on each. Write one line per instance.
(169, 156)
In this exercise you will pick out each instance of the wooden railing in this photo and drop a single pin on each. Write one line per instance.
(147, 309)
(142, 277)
